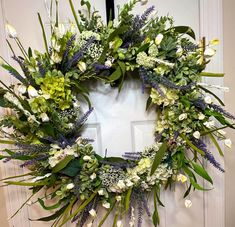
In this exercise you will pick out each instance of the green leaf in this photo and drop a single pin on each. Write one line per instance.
(7, 142)
(155, 216)
(52, 207)
(202, 172)
(62, 164)
(88, 5)
(158, 157)
(148, 103)
(210, 92)
(75, 15)
(33, 184)
(216, 144)
(30, 53)
(206, 74)
(87, 100)
(107, 214)
(43, 33)
(14, 72)
(72, 168)
(127, 199)
(116, 74)
(185, 30)
(188, 191)
(192, 145)
(144, 47)
(53, 216)
(197, 186)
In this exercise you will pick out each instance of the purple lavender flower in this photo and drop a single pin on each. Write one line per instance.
(140, 212)
(41, 68)
(208, 155)
(34, 161)
(145, 204)
(68, 47)
(200, 103)
(222, 111)
(99, 67)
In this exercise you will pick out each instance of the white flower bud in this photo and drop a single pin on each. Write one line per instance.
(208, 100)
(70, 186)
(86, 158)
(92, 212)
(196, 134)
(11, 31)
(209, 52)
(228, 143)
(209, 124)
(118, 198)
(101, 192)
(60, 30)
(44, 117)
(158, 39)
(89, 224)
(201, 116)
(32, 91)
(93, 176)
(108, 63)
(183, 116)
(22, 89)
(106, 205)
(182, 178)
(121, 184)
(119, 224)
(82, 66)
(188, 203)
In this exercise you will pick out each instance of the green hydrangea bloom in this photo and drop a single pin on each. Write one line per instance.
(57, 86)
(39, 105)
(144, 60)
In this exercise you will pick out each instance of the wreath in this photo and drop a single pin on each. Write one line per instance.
(44, 127)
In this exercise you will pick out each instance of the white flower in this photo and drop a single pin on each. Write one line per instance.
(106, 205)
(44, 117)
(121, 184)
(129, 183)
(196, 134)
(209, 124)
(70, 186)
(188, 203)
(1, 62)
(183, 116)
(89, 224)
(101, 192)
(92, 212)
(119, 224)
(56, 58)
(60, 30)
(72, 27)
(201, 116)
(228, 143)
(179, 51)
(86, 158)
(144, 2)
(11, 31)
(108, 63)
(93, 176)
(208, 100)
(209, 52)
(118, 198)
(32, 91)
(158, 39)
(22, 89)
(82, 66)
(182, 178)
(222, 132)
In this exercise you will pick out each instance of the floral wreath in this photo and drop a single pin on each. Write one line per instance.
(45, 125)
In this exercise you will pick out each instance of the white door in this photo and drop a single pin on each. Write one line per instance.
(119, 122)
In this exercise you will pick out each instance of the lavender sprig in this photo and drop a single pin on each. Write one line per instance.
(222, 111)
(34, 161)
(208, 155)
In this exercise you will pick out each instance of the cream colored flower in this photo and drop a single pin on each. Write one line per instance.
(129, 183)
(158, 39)
(106, 205)
(119, 224)
(201, 116)
(32, 91)
(182, 178)
(208, 100)
(228, 143)
(209, 52)
(44, 117)
(56, 58)
(86, 158)
(11, 31)
(118, 198)
(183, 116)
(121, 184)
(188, 203)
(60, 31)
(70, 186)
(101, 192)
(196, 134)
(93, 213)
(93, 176)
(82, 66)
(22, 89)
(209, 124)
(108, 63)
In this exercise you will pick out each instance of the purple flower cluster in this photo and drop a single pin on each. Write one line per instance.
(222, 111)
